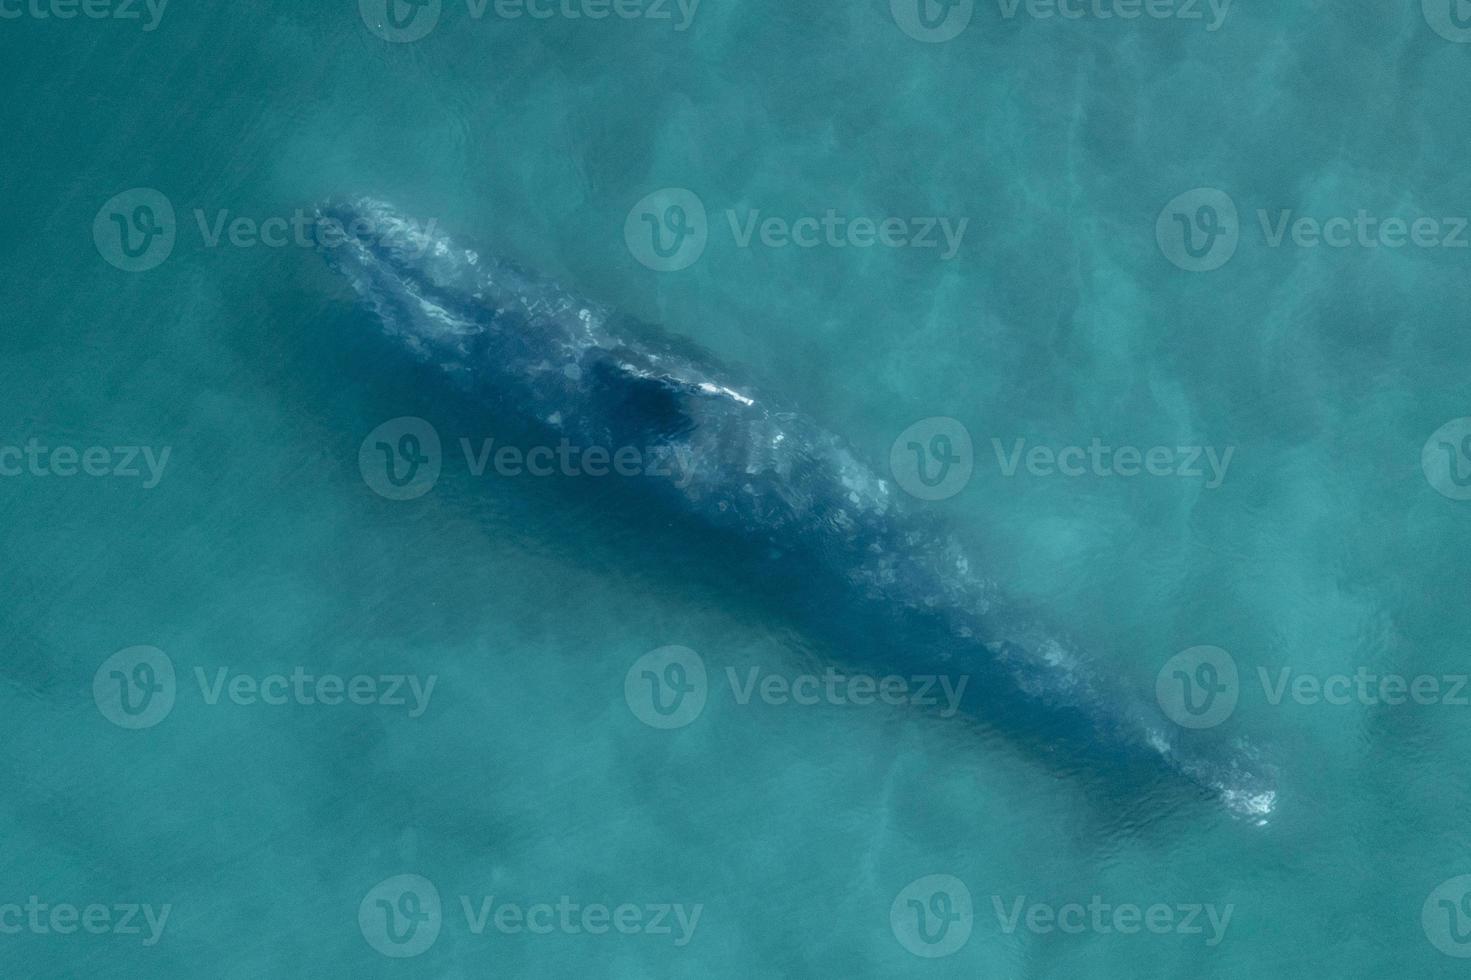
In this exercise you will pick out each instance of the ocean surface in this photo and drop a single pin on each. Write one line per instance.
(264, 718)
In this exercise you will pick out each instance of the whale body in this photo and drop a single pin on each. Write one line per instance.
(756, 469)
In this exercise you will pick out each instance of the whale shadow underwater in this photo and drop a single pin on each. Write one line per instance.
(845, 551)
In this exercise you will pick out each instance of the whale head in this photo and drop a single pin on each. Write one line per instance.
(442, 299)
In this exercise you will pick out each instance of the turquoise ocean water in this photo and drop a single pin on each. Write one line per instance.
(251, 839)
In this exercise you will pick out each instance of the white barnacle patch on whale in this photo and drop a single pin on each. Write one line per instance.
(710, 388)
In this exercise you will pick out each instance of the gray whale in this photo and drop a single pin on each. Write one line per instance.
(758, 470)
